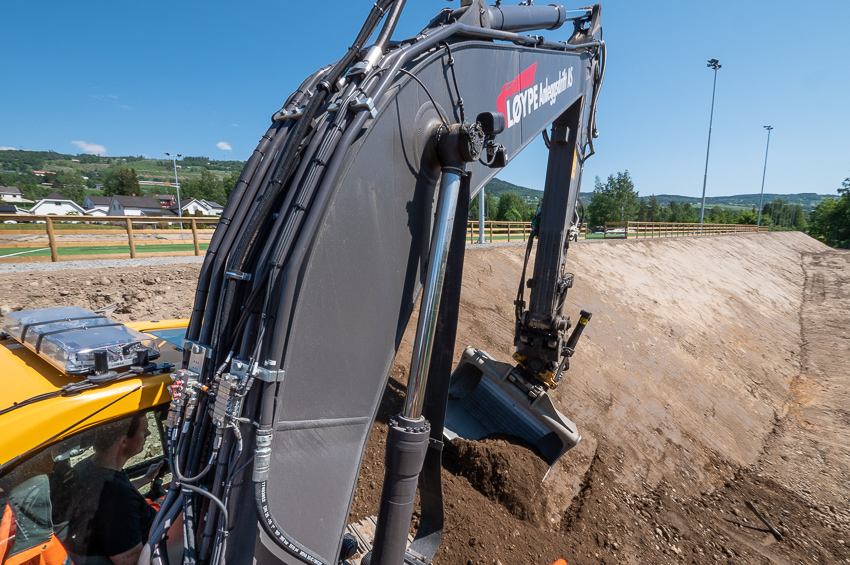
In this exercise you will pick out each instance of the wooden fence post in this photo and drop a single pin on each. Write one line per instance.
(195, 237)
(130, 238)
(491, 231)
(54, 253)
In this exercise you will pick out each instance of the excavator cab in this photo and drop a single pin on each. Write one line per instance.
(55, 407)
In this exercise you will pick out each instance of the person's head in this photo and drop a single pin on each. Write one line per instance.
(125, 436)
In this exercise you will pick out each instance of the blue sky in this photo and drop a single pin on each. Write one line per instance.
(203, 78)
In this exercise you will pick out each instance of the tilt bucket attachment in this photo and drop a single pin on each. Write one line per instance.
(489, 397)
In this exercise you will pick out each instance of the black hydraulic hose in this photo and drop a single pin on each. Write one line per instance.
(394, 63)
(189, 553)
(245, 207)
(390, 24)
(270, 154)
(225, 220)
(288, 162)
(261, 179)
(164, 519)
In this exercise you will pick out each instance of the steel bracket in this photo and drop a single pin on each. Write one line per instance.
(284, 115)
(365, 103)
(198, 356)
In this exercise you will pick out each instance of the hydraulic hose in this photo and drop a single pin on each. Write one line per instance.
(244, 203)
(389, 25)
(225, 220)
(288, 162)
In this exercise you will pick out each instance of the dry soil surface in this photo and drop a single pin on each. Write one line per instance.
(714, 373)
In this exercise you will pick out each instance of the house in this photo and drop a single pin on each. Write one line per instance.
(166, 200)
(12, 194)
(191, 206)
(12, 209)
(97, 205)
(55, 203)
(136, 206)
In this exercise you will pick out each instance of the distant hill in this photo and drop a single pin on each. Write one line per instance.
(808, 200)
(498, 187)
(16, 168)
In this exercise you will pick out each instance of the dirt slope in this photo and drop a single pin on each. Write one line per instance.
(712, 373)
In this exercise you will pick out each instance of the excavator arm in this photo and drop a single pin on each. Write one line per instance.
(348, 211)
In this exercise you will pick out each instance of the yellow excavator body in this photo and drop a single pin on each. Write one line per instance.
(24, 375)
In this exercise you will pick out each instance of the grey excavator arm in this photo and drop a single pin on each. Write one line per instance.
(322, 251)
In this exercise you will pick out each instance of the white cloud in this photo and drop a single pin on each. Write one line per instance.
(93, 148)
(235, 125)
(7, 149)
(224, 146)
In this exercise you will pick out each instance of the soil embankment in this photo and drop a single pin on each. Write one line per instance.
(712, 374)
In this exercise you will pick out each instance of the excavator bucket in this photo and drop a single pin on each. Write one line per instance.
(489, 397)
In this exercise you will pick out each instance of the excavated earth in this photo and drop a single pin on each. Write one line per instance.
(713, 374)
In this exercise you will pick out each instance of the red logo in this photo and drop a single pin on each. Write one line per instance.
(521, 82)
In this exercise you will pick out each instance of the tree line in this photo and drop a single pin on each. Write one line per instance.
(616, 200)
(118, 181)
(830, 220)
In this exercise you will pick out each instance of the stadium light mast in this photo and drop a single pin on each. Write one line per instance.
(761, 198)
(712, 64)
(177, 185)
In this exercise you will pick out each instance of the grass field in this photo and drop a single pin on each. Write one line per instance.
(141, 248)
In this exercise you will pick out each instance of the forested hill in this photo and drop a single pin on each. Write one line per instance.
(807, 200)
(17, 169)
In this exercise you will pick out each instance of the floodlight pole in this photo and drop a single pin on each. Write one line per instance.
(481, 198)
(713, 64)
(761, 198)
(177, 185)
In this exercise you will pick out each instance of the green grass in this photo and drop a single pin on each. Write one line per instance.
(141, 248)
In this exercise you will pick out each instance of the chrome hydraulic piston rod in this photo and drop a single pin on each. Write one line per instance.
(430, 306)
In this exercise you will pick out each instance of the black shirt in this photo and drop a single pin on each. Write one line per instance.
(108, 515)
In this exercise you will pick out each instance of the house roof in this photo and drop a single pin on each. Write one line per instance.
(164, 196)
(206, 203)
(137, 202)
(55, 196)
(100, 200)
(9, 189)
(8, 209)
(160, 212)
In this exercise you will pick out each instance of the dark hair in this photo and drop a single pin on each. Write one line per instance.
(106, 435)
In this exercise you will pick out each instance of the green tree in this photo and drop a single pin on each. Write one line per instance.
(643, 211)
(206, 187)
(229, 183)
(673, 212)
(689, 213)
(122, 182)
(830, 220)
(73, 186)
(614, 201)
(491, 204)
(748, 217)
(654, 209)
(512, 208)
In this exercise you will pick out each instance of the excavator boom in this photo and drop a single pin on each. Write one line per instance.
(353, 206)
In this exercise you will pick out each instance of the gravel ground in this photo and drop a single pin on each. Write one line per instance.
(95, 264)
(713, 374)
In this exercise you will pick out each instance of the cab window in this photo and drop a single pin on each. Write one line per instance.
(87, 498)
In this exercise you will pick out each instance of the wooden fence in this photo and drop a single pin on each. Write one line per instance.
(497, 231)
(118, 232)
(632, 230)
(58, 233)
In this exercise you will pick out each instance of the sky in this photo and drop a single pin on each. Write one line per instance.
(204, 78)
